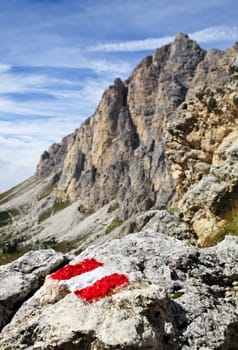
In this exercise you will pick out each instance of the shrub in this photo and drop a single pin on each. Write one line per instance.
(116, 222)
(45, 215)
(113, 207)
(230, 227)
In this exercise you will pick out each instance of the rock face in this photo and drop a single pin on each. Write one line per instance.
(201, 143)
(159, 137)
(178, 297)
(166, 137)
(119, 153)
(20, 279)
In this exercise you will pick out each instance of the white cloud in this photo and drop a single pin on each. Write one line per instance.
(65, 56)
(207, 35)
(11, 174)
(23, 83)
(102, 66)
(23, 141)
(216, 34)
(29, 126)
(16, 133)
(134, 45)
(52, 97)
(4, 68)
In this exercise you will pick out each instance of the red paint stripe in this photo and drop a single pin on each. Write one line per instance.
(102, 287)
(70, 271)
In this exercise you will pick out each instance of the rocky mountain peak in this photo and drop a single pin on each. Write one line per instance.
(125, 129)
(182, 37)
(153, 140)
(124, 152)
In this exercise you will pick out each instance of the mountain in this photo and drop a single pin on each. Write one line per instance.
(154, 170)
(164, 139)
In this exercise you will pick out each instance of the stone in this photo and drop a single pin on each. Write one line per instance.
(234, 65)
(169, 221)
(175, 299)
(20, 279)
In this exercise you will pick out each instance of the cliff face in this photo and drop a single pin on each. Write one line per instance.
(120, 151)
(202, 143)
(166, 138)
(156, 135)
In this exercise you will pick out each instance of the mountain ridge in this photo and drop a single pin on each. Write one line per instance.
(121, 122)
(162, 139)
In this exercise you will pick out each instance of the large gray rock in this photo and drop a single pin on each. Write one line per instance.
(178, 297)
(168, 221)
(20, 279)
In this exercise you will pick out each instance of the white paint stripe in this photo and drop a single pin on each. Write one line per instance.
(88, 278)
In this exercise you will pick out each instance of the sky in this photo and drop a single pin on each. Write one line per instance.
(58, 56)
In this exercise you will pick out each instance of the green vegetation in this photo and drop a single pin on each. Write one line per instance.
(5, 196)
(9, 257)
(46, 192)
(63, 247)
(10, 246)
(171, 211)
(78, 251)
(12, 249)
(6, 216)
(86, 211)
(177, 295)
(57, 206)
(230, 227)
(116, 222)
(113, 207)
(44, 215)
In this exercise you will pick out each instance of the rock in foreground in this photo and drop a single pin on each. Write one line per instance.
(20, 279)
(178, 297)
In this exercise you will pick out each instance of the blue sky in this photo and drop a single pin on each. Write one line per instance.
(58, 56)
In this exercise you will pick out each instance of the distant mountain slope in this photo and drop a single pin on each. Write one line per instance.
(166, 138)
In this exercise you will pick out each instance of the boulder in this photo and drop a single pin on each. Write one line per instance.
(20, 279)
(178, 297)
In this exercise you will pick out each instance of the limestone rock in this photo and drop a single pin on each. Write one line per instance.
(121, 148)
(202, 144)
(178, 297)
(234, 65)
(169, 221)
(18, 280)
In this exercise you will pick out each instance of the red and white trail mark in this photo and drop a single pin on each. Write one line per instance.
(90, 279)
